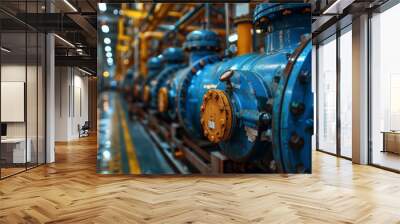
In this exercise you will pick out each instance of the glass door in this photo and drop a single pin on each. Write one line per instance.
(385, 89)
(326, 69)
(345, 42)
(22, 95)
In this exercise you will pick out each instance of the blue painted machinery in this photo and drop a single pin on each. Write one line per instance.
(255, 108)
(173, 59)
(154, 66)
(181, 96)
(262, 108)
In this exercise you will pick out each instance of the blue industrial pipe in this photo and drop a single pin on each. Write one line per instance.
(257, 107)
(184, 19)
(174, 60)
(186, 87)
(268, 117)
(154, 66)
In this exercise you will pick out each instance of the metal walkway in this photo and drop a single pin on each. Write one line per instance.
(124, 145)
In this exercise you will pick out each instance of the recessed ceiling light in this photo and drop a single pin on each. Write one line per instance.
(103, 7)
(70, 5)
(233, 37)
(107, 49)
(105, 28)
(106, 74)
(107, 40)
(5, 50)
(64, 40)
(109, 55)
(84, 71)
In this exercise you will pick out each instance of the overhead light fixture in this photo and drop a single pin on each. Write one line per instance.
(110, 60)
(103, 7)
(106, 74)
(64, 40)
(84, 71)
(335, 7)
(109, 55)
(258, 31)
(79, 51)
(5, 50)
(233, 37)
(106, 155)
(115, 12)
(70, 5)
(107, 49)
(107, 40)
(105, 28)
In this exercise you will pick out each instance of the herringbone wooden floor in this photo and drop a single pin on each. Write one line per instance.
(70, 191)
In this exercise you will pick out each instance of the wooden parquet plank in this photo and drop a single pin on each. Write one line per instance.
(70, 191)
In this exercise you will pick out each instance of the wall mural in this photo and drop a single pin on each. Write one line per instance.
(180, 99)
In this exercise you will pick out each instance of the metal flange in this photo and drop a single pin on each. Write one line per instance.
(146, 94)
(216, 116)
(162, 99)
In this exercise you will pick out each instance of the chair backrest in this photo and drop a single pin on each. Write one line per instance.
(86, 124)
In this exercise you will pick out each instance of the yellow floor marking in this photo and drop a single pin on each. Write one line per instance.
(130, 149)
(115, 163)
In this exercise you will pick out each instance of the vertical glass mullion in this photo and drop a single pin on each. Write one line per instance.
(317, 94)
(26, 85)
(1, 164)
(37, 89)
(338, 80)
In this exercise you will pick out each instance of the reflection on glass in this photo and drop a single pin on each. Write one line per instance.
(346, 94)
(14, 153)
(41, 99)
(385, 85)
(327, 96)
(31, 97)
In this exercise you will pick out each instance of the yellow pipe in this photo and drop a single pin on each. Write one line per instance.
(175, 14)
(143, 54)
(144, 45)
(135, 14)
(245, 39)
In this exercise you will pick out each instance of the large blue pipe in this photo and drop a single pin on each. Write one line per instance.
(267, 116)
(257, 107)
(154, 65)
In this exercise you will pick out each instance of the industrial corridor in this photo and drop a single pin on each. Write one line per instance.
(125, 146)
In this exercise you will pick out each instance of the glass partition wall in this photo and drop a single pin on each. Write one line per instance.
(326, 55)
(22, 95)
(385, 89)
(334, 94)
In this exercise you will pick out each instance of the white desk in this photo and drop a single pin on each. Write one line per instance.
(18, 150)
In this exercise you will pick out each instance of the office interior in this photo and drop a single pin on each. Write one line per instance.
(51, 67)
(334, 89)
(44, 96)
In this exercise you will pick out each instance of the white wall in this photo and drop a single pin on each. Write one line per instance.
(71, 93)
(314, 90)
(33, 127)
(13, 73)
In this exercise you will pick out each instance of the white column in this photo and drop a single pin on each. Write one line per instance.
(360, 90)
(50, 98)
